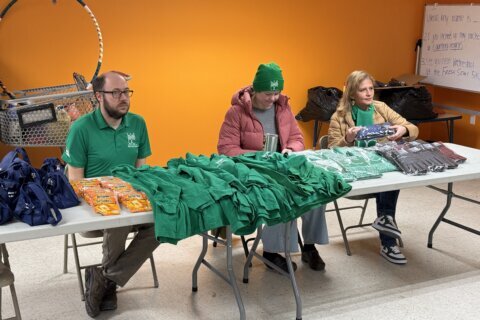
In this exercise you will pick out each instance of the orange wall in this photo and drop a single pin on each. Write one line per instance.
(188, 57)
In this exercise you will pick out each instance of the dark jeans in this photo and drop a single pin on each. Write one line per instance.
(386, 205)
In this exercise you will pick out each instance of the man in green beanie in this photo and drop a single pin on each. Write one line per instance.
(258, 110)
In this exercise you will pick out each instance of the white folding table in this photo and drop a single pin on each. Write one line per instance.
(470, 170)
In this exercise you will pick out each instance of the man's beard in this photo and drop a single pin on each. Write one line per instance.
(114, 113)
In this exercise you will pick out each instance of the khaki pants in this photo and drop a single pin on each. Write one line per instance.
(120, 264)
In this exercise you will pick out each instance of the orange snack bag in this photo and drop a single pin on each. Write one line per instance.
(115, 184)
(97, 194)
(103, 201)
(135, 201)
(109, 181)
(139, 205)
(79, 186)
(107, 209)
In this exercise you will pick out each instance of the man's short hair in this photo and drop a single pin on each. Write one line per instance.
(98, 83)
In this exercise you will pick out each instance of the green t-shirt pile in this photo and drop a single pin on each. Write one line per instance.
(352, 163)
(198, 193)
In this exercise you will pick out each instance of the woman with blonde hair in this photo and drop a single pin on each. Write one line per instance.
(358, 109)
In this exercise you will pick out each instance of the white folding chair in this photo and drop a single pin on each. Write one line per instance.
(74, 246)
(7, 279)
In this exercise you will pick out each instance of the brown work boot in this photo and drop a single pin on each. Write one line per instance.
(95, 288)
(109, 301)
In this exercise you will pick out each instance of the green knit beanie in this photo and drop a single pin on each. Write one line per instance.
(268, 78)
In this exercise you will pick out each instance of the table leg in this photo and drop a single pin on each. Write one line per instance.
(65, 254)
(450, 130)
(448, 221)
(231, 275)
(198, 263)
(315, 133)
(230, 279)
(291, 275)
(252, 252)
(449, 193)
(77, 266)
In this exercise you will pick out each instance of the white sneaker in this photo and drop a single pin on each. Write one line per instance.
(393, 254)
(387, 226)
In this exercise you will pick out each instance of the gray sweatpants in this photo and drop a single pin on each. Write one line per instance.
(314, 231)
(120, 264)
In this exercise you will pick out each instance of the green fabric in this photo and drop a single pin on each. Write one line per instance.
(220, 182)
(165, 199)
(307, 185)
(366, 160)
(352, 163)
(363, 118)
(318, 159)
(195, 210)
(268, 78)
(93, 145)
(199, 193)
(255, 200)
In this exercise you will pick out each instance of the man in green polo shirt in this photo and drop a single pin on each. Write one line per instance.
(96, 143)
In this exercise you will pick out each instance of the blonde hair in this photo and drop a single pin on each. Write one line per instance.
(351, 86)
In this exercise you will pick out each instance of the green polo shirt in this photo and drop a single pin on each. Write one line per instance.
(95, 146)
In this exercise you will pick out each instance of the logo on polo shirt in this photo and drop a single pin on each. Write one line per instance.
(132, 140)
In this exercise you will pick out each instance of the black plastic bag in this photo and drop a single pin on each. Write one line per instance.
(322, 103)
(410, 103)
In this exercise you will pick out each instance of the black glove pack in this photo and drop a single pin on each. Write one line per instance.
(416, 157)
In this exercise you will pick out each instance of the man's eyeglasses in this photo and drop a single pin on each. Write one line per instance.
(116, 94)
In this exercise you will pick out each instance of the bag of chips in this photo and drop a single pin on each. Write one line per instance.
(103, 201)
(79, 186)
(115, 184)
(135, 201)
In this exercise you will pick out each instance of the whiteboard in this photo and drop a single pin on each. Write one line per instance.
(450, 55)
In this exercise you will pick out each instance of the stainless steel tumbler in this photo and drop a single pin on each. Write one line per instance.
(270, 142)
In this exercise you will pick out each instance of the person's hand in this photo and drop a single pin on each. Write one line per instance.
(351, 134)
(286, 151)
(400, 131)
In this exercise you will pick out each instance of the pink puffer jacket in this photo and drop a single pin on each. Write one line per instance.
(242, 132)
